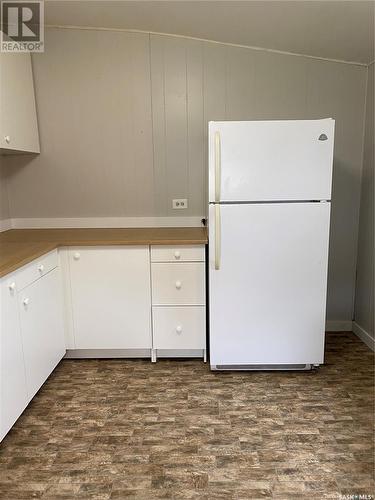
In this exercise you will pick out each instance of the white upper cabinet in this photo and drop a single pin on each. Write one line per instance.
(18, 120)
(111, 298)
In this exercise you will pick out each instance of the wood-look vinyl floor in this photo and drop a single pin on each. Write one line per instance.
(114, 429)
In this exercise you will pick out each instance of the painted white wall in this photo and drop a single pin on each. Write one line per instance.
(364, 296)
(123, 126)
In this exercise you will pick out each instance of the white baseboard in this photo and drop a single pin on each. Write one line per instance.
(104, 222)
(339, 326)
(5, 224)
(179, 353)
(132, 353)
(107, 353)
(364, 336)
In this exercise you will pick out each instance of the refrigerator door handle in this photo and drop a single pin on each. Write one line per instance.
(217, 166)
(217, 238)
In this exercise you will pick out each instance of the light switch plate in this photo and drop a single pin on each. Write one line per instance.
(180, 203)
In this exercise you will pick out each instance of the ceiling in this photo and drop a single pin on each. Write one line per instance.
(330, 29)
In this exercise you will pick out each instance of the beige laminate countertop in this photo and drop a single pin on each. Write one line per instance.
(20, 246)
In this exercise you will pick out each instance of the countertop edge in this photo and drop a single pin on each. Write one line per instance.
(46, 247)
(26, 260)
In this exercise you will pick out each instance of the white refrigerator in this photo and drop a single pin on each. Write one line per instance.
(269, 215)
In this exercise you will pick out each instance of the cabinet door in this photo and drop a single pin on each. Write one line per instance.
(18, 122)
(111, 297)
(13, 396)
(42, 328)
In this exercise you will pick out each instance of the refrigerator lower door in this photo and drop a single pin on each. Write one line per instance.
(267, 284)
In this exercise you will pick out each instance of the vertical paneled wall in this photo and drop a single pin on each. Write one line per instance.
(178, 123)
(364, 295)
(123, 124)
(94, 113)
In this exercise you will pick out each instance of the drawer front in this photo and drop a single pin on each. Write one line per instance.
(178, 283)
(36, 269)
(179, 327)
(182, 253)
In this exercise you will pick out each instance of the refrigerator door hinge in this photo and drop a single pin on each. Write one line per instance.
(323, 201)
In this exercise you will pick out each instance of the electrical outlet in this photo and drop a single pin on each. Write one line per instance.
(180, 203)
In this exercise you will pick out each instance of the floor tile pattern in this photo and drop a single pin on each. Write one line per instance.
(117, 429)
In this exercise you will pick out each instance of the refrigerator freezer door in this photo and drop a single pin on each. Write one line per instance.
(268, 297)
(270, 160)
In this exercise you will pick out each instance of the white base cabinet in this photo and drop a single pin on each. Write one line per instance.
(13, 395)
(130, 301)
(40, 306)
(178, 299)
(104, 307)
(31, 336)
(110, 297)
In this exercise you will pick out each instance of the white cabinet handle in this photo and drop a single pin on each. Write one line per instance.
(41, 268)
(26, 302)
(76, 256)
(177, 254)
(179, 329)
(178, 285)
(7, 139)
(12, 286)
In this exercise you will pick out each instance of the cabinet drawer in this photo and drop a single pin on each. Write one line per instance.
(178, 283)
(175, 253)
(36, 269)
(179, 327)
